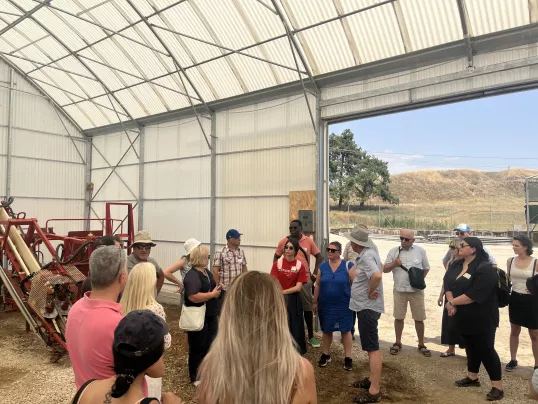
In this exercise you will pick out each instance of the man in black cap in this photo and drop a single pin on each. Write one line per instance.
(229, 262)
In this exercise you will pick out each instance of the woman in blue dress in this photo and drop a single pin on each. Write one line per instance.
(331, 303)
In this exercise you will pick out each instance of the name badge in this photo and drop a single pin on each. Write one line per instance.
(467, 276)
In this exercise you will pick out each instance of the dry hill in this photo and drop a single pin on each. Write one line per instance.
(456, 185)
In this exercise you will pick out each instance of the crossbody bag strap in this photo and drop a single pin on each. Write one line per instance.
(402, 266)
(510, 266)
(534, 267)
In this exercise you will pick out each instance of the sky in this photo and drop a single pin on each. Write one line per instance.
(489, 134)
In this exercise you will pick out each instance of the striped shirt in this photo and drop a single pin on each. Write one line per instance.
(230, 263)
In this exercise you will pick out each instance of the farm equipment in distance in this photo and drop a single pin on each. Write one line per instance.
(43, 291)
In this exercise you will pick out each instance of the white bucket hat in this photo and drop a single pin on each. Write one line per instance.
(143, 237)
(191, 244)
(359, 235)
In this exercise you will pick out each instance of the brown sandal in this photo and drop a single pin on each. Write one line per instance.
(395, 348)
(424, 351)
(367, 397)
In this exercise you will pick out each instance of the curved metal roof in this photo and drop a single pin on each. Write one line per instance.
(106, 61)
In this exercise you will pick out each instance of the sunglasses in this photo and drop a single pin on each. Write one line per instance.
(405, 239)
(143, 246)
(452, 247)
(464, 245)
(332, 250)
(460, 233)
(294, 228)
(289, 247)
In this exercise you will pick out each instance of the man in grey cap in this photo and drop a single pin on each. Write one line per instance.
(367, 301)
(464, 230)
(141, 250)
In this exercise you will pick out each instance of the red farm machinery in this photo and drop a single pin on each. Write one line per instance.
(43, 281)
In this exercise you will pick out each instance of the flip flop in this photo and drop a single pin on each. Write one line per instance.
(447, 354)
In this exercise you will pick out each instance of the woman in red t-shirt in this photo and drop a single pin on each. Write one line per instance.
(291, 273)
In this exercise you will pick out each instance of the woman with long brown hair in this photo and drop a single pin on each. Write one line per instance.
(253, 358)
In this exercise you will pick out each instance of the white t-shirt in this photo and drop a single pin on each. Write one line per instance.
(518, 276)
(414, 257)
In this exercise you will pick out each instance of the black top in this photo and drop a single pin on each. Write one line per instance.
(195, 282)
(76, 399)
(479, 283)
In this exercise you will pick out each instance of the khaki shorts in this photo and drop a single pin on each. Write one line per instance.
(306, 296)
(415, 300)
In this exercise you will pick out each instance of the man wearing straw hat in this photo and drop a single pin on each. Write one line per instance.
(367, 301)
(141, 250)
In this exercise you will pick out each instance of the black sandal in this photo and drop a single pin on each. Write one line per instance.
(362, 384)
(367, 397)
(467, 382)
(395, 348)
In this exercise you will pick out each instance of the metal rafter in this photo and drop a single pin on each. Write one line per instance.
(349, 35)
(256, 37)
(64, 45)
(216, 40)
(26, 14)
(231, 51)
(404, 32)
(120, 30)
(467, 31)
(28, 44)
(178, 66)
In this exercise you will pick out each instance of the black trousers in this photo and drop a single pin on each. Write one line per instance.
(480, 349)
(199, 344)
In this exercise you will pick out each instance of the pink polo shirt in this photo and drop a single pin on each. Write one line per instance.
(89, 335)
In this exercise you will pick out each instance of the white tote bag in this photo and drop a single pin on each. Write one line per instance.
(192, 318)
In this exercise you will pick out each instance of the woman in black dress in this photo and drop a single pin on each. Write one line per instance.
(471, 289)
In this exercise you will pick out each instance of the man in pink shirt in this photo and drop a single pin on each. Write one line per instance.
(92, 320)
(308, 248)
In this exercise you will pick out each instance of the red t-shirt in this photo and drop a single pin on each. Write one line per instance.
(289, 275)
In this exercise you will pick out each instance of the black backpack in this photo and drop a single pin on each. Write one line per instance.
(504, 288)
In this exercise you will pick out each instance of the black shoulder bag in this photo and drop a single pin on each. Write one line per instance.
(416, 276)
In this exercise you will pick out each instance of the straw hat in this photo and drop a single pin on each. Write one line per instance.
(359, 235)
(143, 237)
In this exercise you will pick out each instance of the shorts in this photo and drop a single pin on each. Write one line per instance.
(415, 300)
(306, 296)
(367, 323)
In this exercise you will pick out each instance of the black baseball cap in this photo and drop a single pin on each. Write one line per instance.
(140, 333)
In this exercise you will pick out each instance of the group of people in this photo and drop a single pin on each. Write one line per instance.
(117, 334)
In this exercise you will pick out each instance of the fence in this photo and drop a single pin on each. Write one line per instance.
(431, 218)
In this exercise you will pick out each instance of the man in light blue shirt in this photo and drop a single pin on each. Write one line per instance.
(367, 301)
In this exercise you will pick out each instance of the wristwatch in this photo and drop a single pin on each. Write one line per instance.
(452, 304)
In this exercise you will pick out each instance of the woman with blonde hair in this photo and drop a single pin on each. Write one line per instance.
(253, 359)
(139, 294)
(201, 289)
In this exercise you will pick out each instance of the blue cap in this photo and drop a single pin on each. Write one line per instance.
(463, 227)
(232, 233)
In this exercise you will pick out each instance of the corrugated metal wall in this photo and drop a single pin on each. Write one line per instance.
(263, 152)
(47, 171)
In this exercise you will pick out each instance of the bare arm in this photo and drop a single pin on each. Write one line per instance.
(204, 297)
(319, 259)
(276, 257)
(316, 294)
(295, 289)
(375, 280)
(168, 272)
(426, 271)
(245, 269)
(352, 274)
(160, 282)
(395, 264)
(216, 273)
(308, 393)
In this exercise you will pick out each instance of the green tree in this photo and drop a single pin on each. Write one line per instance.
(354, 174)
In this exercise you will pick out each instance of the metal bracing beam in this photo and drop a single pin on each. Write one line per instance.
(27, 45)
(123, 126)
(533, 11)
(141, 177)
(267, 6)
(178, 66)
(35, 62)
(213, 200)
(467, 31)
(93, 7)
(64, 45)
(311, 67)
(404, 32)
(216, 39)
(255, 36)
(118, 31)
(349, 35)
(23, 17)
(465, 74)
(231, 51)
(70, 137)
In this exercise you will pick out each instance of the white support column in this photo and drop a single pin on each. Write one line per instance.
(322, 195)
(213, 202)
(9, 134)
(88, 180)
(141, 176)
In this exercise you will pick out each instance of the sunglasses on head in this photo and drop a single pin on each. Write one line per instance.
(332, 250)
(143, 246)
(405, 239)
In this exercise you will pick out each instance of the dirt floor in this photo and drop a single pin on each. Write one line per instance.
(27, 376)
